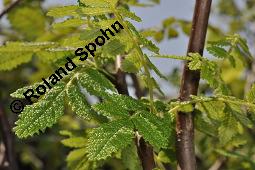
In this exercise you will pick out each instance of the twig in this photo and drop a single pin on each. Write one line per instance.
(138, 91)
(189, 86)
(144, 150)
(8, 8)
(218, 164)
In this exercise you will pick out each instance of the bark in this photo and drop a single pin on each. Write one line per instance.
(189, 86)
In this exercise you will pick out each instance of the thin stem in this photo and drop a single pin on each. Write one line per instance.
(174, 57)
(144, 150)
(146, 69)
(238, 102)
(9, 8)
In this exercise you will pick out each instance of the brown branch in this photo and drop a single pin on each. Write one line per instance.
(120, 76)
(9, 8)
(8, 140)
(144, 150)
(189, 86)
(138, 91)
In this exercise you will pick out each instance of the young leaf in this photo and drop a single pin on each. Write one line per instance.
(195, 63)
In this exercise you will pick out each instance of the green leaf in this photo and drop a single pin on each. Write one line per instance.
(239, 114)
(228, 129)
(23, 53)
(195, 63)
(113, 48)
(143, 41)
(155, 130)
(110, 109)
(168, 22)
(154, 68)
(130, 158)
(109, 138)
(42, 114)
(29, 21)
(172, 33)
(19, 93)
(76, 154)
(64, 11)
(77, 160)
(73, 22)
(78, 102)
(75, 142)
(250, 96)
(205, 125)
(218, 51)
(9, 62)
(125, 13)
(131, 63)
(113, 3)
(215, 109)
(90, 34)
(96, 83)
(156, 85)
(127, 102)
(95, 11)
(95, 3)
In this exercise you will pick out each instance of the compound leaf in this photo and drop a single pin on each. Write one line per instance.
(42, 114)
